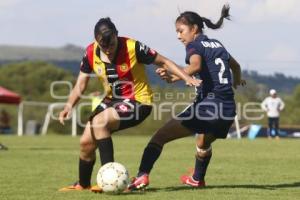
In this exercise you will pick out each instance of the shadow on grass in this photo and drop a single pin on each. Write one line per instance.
(247, 186)
(186, 188)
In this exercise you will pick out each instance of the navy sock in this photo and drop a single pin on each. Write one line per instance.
(201, 165)
(106, 150)
(150, 155)
(85, 172)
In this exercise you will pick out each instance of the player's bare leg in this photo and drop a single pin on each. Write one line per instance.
(102, 126)
(86, 161)
(170, 131)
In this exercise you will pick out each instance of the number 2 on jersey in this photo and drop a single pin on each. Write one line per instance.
(219, 61)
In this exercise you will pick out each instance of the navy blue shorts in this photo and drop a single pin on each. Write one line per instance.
(214, 116)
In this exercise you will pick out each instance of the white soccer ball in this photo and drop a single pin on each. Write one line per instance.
(113, 177)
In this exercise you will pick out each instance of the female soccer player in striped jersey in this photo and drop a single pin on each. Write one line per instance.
(119, 64)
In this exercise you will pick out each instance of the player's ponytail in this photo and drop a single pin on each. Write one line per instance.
(191, 18)
(224, 15)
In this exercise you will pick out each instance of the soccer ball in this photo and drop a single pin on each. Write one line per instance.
(113, 177)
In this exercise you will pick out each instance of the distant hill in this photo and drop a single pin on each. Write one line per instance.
(278, 81)
(66, 53)
(69, 57)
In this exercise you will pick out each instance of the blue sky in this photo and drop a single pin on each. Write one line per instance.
(263, 34)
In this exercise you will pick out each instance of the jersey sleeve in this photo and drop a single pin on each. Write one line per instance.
(192, 49)
(85, 66)
(144, 54)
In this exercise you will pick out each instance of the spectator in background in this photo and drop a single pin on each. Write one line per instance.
(4, 122)
(273, 105)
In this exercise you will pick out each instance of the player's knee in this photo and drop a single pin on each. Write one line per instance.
(205, 141)
(99, 120)
(203, 152)
(86, 146)
(105, 120)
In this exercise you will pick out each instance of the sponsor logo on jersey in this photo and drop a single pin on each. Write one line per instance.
(123, 108)
(124, 68)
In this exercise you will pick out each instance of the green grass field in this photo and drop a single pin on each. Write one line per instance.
(36, 167)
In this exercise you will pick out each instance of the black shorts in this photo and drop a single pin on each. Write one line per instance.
(199, 119)
(131, 112)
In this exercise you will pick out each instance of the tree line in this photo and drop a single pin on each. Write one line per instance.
(33, 79)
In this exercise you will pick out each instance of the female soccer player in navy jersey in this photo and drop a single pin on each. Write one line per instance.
(212, 113)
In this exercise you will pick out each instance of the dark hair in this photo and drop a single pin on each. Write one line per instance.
(192, 18)
(106, 29)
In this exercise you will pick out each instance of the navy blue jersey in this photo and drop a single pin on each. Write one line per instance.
(215, 71)
(213, 110)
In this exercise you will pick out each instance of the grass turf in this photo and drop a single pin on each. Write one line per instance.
(36, 167)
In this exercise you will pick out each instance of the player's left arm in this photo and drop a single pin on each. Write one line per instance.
(147, 55)
(236, 71)
(176, 70)
(191, 69)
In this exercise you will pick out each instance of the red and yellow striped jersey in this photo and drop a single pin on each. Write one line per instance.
(125, 77)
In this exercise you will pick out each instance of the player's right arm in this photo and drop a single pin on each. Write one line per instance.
(80, 86)
(75, 95)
